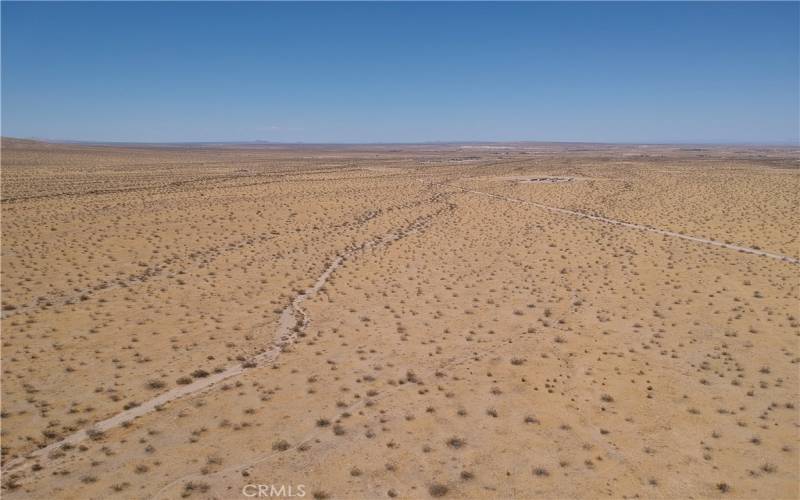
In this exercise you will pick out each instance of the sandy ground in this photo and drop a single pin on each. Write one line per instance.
(416, 321)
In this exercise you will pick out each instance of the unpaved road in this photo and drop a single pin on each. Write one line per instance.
(286, 333)
(289, 324)
(631, 225)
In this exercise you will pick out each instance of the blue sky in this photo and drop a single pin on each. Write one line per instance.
(402, 72)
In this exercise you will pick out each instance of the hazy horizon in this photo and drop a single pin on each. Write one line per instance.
(402, 73)
(394, 143)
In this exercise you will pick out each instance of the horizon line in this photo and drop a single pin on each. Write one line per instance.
(397, 143)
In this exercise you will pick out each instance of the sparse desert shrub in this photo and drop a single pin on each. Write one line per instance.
(438, 490)
(456, 442)
(281, 445)
(156, 384)
(193, 486)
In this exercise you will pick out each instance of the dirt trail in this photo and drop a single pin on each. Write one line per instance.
(631, 225)
(286, 333)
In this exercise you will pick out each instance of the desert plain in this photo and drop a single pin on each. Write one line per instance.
(517, 320)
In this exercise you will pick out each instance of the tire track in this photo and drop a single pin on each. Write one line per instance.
(293, 320)
(630, 225)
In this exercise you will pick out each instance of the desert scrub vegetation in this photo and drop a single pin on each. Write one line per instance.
(572, 333)
(438, 490)
(192, 487)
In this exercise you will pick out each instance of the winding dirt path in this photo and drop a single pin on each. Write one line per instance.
(292, 320)
(631, 225)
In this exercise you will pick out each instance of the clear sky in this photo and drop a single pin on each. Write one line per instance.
(402, 72)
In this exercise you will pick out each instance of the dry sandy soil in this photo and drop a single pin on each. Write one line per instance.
(524, 321)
